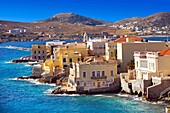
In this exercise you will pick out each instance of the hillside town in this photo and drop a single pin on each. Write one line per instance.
(128, 64)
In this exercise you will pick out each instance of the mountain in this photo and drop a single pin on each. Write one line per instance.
(156, 20)
(74, 19)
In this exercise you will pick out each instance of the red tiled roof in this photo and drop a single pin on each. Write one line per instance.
(123, 39)
(164, 52)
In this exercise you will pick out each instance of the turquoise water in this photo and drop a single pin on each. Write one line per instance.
(23, 96)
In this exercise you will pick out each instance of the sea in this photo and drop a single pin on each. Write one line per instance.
(29, 96)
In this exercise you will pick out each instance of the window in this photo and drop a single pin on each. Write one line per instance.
(111, 54)
(78, 83)
(137, 64)
(143, 64)
(94, 84)
(103, 84)
(70, 60)
(35, 57)
(84, 74)
(34, 52)
(78, 59)
(84, 83)
(64, 59)
(98, 73)
(103, 73)
(65, 66)
(111, 73)
(43, 57)
(43, 52)
(39, 52)
(93, 73)
(39, 57)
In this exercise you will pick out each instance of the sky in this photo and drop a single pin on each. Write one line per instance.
(108, 10)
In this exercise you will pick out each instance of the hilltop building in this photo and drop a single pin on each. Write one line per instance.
(17, 31)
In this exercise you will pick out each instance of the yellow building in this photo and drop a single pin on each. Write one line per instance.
(92, 75)
(71, 52)
(50, 68)
(39, 52)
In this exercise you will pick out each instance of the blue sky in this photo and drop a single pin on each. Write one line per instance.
(109, 10)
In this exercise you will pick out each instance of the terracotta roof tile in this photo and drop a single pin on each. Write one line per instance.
(123, 39)
(164, 52)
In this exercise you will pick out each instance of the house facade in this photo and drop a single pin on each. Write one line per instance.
(39, 52)
(92, 75)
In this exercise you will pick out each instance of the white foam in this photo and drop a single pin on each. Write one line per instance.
(33, 81)
(138, 99)
(98, 95)
(107, 96)
(72, 95)
(122, 95)
(48, 91)
(27, 65)
(9, 62)
(13, 79)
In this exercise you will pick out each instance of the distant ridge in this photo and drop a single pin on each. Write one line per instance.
(74, 19)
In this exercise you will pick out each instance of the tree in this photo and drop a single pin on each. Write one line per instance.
(130, 65)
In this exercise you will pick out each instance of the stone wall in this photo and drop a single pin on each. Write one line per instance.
(153, 92)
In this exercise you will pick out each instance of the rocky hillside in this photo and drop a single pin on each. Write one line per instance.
(157, 20)
(74, 19)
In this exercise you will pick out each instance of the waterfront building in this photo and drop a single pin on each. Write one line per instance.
(151, 74)
(126, 50)
(53, 44)
(151, 63)
(93, 76)
(96, 46)
(111, 46)
(39, 52)
(50, 68)
(68, 53)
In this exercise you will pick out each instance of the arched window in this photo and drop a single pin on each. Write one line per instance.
(64, 59)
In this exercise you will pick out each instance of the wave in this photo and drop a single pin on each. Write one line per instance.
(13, 79)
(32, 81)
(122, 95)
(66, 95)
(8, 62)
(27, 65)
(48, 91)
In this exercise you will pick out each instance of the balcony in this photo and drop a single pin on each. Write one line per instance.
(99, 77)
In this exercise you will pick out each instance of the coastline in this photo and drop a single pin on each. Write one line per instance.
(108, 95)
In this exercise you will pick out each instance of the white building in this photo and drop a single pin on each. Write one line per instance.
(96, 46)
(55, 43)
(17, 31)
(152, 63)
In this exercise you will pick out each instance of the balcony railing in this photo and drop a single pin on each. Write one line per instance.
(99, 77)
